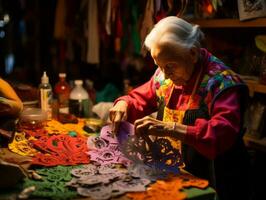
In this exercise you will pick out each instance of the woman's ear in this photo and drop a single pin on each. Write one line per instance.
(194, 54)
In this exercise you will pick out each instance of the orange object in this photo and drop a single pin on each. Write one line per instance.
(55, 127)
(170, 188)
(209, 9)
(192, 181)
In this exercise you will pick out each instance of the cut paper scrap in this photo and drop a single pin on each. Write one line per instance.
(171, 188)
(104, 182)
(189, 180)
(157, 153)
(52, 185)
(60, 150)
(160, 190)
(105, 149)
(36, 133)
(55, 127)
(146, 171)
(21, 145)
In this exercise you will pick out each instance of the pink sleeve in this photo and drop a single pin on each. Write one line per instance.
(215, 136)
(141, 101)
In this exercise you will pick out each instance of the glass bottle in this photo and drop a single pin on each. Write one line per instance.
(79, 102)
(46, 95)
(62, 92)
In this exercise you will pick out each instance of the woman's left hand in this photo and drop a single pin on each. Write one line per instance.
(150, 126)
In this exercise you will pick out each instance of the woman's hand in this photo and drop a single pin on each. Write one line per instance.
(117, 114)
(150, 126)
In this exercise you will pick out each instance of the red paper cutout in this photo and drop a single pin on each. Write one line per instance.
(60, 150)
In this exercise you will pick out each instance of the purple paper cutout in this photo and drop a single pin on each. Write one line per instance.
(105, 149)
(97, 193)
(124, 131)
(126, 148)
(104, 182)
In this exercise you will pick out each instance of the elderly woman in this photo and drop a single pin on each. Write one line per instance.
(10, 103)
(199, 102)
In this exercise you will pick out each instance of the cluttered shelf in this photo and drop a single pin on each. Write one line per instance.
(255, 143)
(254, 86)
(251, 141)
(229, 23)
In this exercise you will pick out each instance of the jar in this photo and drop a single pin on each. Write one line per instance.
(32, 119)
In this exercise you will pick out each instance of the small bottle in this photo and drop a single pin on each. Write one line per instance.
(79, 102)
(62, 91)
(46, 95)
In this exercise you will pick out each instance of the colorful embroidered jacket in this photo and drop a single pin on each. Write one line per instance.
(213, 118)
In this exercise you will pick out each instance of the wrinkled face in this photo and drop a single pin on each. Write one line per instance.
(179, 72)
(176, 66)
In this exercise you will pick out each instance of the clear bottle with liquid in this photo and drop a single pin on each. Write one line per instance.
(46, 95)
(62, 92)
(79, 102)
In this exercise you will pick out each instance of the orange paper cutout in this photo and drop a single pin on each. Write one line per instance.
(170, 188)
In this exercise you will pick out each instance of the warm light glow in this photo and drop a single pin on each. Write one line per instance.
(209, 9)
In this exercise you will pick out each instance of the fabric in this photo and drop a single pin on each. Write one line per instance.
(93, 49)
(148, 22)
(135, 35)
(157, 5)
(5, 136)
(102, 110)
(11, 157)
(10, 174)
(7, 127)
(60, 23)
(108, 94)
(108, 17)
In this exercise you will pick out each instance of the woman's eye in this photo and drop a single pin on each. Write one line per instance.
(169, 66)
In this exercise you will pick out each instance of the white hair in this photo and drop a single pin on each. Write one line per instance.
(175, 32)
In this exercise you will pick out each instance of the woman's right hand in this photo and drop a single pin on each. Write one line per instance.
(117, 114)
